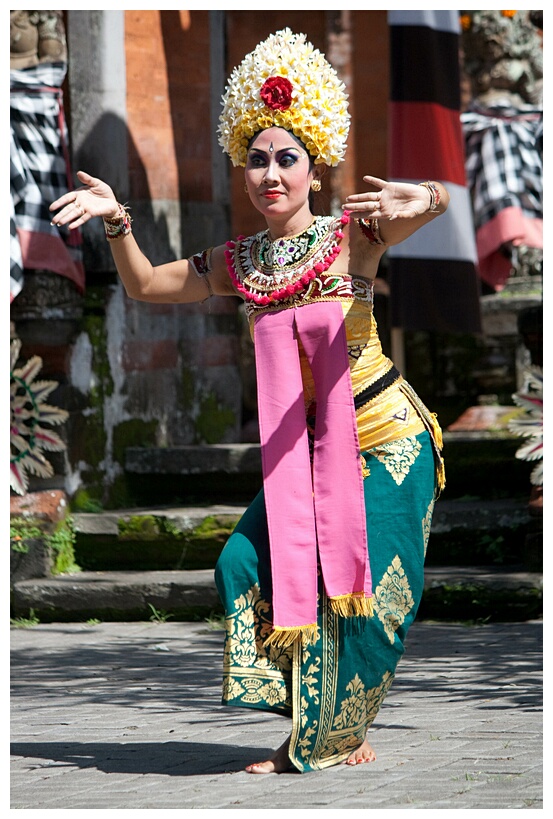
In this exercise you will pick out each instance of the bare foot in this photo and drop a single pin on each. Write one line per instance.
(365, 753)
(278, 763)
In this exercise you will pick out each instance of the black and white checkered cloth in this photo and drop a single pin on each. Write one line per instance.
(504, 160)
(39, 168)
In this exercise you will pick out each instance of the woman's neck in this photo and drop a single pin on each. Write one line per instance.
(290, 226)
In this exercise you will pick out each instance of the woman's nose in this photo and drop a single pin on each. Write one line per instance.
(271, 172)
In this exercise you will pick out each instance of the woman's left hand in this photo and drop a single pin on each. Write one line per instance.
(392, 200)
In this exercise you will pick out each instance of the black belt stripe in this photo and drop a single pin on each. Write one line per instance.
(376, 387)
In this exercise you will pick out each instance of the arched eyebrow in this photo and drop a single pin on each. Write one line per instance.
(295, 148)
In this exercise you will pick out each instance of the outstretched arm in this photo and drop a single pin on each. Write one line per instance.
(400, 207)
(172, 282)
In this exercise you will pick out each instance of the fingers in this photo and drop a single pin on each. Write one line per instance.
(364, 204)
(367, 204)
(71, 196)
(72, 213)
(66, 199)
(88, 180)
(376, 181)
(363, 197)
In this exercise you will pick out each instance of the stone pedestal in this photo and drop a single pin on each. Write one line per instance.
(30, 554)
(507, 341)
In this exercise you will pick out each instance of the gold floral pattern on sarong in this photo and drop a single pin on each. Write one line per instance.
(365, 471)
(232, 689)
(353, 707)
(309, 678)
(376, 696)
(311, 685)
(427, 523)
(357, 713)
(253, 674)
(308, 732)
(393, 598)
(398, 456)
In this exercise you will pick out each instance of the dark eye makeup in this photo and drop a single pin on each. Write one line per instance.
(259, 158)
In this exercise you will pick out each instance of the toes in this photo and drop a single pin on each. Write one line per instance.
(260, 768)
(360, 757)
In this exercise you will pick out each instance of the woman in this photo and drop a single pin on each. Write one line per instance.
(323, 575)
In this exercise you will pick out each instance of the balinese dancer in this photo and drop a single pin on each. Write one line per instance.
(324, 573)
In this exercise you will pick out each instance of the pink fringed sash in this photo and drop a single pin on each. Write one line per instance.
(314, 514)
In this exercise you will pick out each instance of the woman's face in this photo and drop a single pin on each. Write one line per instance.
(278, 173)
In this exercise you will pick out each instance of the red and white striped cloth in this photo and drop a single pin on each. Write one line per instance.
(433, 277)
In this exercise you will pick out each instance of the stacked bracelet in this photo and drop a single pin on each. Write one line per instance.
(435, 195)
(118, 226)
(371, 231)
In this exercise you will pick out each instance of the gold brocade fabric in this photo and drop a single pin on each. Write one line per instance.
(390, 414)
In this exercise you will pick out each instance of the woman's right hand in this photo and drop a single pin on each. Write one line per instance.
(77, 207)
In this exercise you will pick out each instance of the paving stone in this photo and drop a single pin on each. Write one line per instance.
(104, 718)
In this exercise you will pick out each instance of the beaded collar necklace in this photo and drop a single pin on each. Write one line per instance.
(266, 271)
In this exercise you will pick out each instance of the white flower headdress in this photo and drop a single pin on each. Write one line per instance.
(286, 82)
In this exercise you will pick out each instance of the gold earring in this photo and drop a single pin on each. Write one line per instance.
(246, 188)
(315, 185)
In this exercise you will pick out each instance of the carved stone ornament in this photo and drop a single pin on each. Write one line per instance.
(47, 295)
(503, 55)
(36, 37)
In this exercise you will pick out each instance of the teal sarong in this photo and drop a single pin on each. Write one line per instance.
(332, 690)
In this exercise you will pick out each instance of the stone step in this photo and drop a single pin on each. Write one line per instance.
(479, 462)
(469, 514)
(512, 591)
(236, 458)
(452, 593)
(191, 537)
(150, 538)
(117, 595)
(184, 518)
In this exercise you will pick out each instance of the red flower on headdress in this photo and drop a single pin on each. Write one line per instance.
(276, 93)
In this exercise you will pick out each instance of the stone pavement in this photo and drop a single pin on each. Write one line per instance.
(128, 715)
